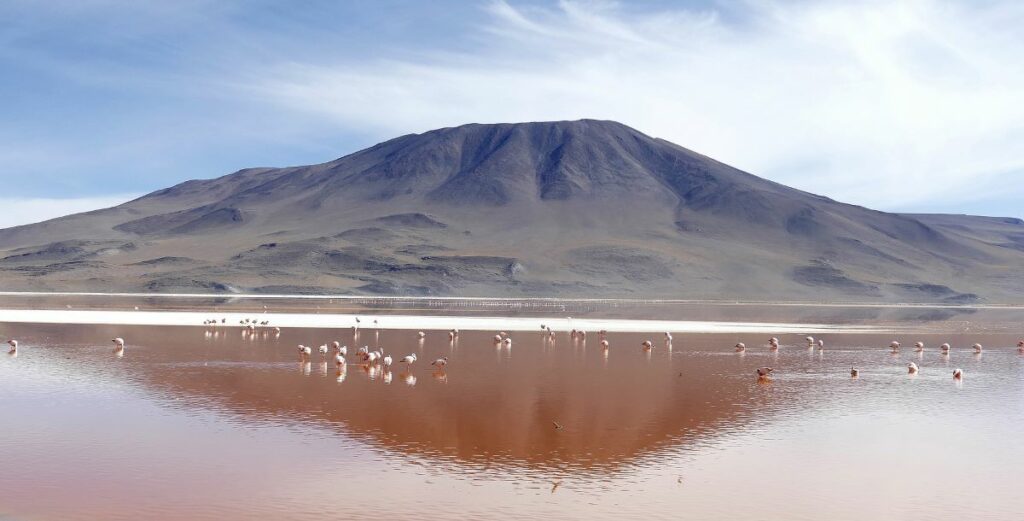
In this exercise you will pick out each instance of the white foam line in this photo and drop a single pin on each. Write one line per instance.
(286, 320)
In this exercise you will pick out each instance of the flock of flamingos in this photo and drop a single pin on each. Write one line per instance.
(377, 357)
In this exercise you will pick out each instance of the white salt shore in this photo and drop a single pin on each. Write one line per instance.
(432, 322)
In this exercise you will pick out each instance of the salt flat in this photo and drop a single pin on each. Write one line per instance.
(389, 321)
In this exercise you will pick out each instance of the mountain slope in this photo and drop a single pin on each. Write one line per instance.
(580, 208)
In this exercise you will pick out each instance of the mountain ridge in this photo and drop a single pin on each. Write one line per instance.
(572, 208)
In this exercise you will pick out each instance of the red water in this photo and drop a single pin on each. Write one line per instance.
(196, 425)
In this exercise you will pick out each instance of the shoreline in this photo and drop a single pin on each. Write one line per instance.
(590, 300)
(427, 322)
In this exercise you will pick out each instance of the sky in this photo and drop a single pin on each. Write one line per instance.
(911, 106)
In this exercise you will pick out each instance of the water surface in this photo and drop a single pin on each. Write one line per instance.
(218, 424)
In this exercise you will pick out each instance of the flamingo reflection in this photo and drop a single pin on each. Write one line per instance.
(408, 378)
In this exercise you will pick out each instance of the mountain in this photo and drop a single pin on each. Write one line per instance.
(570, 208)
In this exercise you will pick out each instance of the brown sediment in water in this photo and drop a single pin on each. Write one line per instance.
(244, 430)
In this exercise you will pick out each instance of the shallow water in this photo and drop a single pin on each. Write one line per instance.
(221, 425)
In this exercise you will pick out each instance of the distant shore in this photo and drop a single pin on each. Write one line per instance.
(594, 300)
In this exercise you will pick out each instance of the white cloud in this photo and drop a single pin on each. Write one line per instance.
(15, 212)
(888, 104)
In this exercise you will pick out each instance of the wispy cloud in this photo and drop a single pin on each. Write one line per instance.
(18, 211)
(906, 104)
(888, 104)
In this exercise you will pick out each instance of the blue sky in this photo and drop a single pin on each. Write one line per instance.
(903, 106)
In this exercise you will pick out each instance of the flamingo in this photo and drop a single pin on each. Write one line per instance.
(421, 334)
(387, 361)
(343, 350)
(604, 344)
(764, 373)
(854, 373)
(810, 341)
(945, 349)
(958, 374)
(339, 359)
(912, 368)
(508, 342)
(440, 362)
(118, 343)
(668, 336)
(1020, 345)
(305, 351)
(773, 344)
(741, 347)
(363, 351)
(894, 345)
(14, 347)
(497, 339)
(977, 348)
(821, 344)
(646, 344)
(451, 336)
(323, 350)
(919, 346)
(408, 359)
